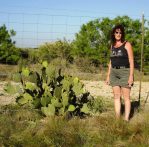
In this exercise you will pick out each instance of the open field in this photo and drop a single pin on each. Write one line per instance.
(27, 127)
(22, 126)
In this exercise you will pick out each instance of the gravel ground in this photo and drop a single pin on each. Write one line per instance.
(96, 88)
(99, 88)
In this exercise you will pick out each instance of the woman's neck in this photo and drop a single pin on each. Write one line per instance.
(118, 42)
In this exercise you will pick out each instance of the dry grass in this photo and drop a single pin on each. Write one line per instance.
(25, 127)
(6, 71)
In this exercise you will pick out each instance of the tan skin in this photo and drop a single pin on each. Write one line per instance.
(117, 90)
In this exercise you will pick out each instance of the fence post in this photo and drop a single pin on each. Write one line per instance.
(141, 66)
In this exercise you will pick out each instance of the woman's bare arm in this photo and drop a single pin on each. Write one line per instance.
(108, 73)
(131, 62)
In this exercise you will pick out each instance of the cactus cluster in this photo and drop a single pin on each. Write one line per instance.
(52, 92)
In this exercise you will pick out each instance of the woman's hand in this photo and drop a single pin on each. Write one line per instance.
(130, 81)
(107, 81)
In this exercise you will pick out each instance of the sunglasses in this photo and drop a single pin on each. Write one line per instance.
(118, 32)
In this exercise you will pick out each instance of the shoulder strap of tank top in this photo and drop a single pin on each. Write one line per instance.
(124, 43)
(111, 47)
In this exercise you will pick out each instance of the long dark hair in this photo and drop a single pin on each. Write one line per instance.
(119, 26)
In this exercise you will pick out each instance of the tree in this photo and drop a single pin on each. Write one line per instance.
(89, 42)
(59, 49)
(8, 52)
(146, 51)
(93, 40)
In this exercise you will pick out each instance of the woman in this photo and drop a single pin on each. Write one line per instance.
(121, 70)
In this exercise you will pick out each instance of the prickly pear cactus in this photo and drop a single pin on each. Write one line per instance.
(52, 92)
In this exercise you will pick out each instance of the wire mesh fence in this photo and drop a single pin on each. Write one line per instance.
(34, 29)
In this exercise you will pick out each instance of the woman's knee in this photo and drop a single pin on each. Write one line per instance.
(117, 96)
(126, 99)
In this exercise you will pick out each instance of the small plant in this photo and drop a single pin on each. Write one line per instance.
(52, 92)
(98, 105)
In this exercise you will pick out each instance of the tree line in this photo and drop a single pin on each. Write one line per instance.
(91, 43)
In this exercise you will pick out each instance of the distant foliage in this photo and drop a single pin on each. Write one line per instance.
(93, 40)
(8, 52)
(59, 49)
(91, 43)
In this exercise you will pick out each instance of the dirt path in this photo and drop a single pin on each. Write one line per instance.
(96, 88)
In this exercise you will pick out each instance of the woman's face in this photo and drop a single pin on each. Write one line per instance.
(118, 34)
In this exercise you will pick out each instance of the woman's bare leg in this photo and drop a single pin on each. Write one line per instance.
(126, 95)
(117, 100)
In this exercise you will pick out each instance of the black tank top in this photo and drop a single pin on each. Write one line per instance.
(119, 56)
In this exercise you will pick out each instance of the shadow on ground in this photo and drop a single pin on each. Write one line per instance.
(135, 105)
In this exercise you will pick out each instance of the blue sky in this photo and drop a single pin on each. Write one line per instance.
(39, 21)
